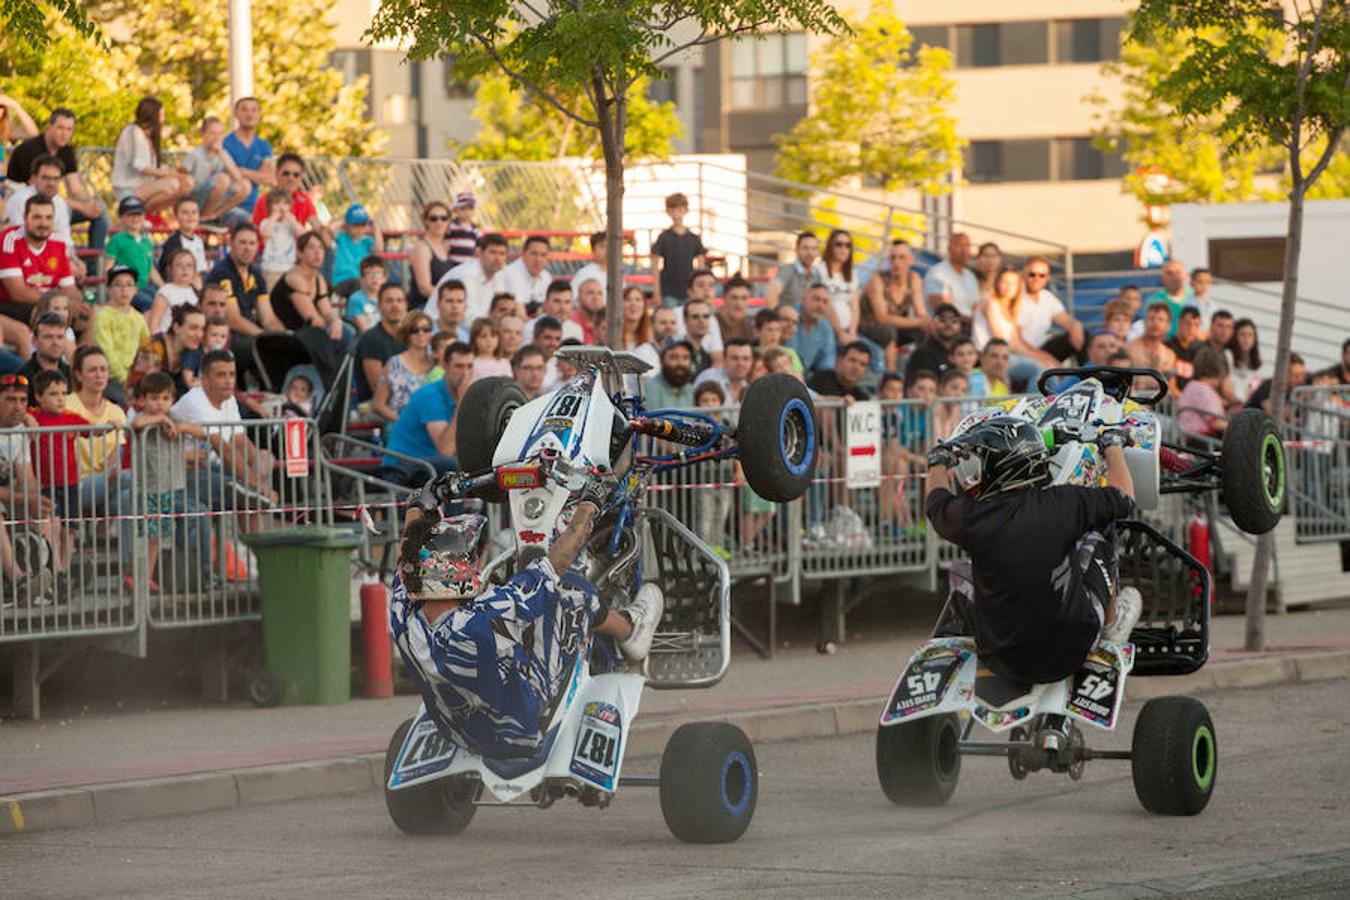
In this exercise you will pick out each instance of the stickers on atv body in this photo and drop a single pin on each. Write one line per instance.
(425, 753)
(599, 746)
(933, 678)
(1097, 689)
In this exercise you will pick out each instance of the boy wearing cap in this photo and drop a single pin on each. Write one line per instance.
(131, 247)
(463, 234)
(357, 239)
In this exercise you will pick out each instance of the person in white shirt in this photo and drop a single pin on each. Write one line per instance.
(558, 306)
(45, 178)
(1040, 310)
(482, 277)
(528, 277)
(234, 468)
(596, 267)
(952, 281)
(665, 325)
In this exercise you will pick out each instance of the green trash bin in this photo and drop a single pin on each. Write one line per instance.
(305, 574)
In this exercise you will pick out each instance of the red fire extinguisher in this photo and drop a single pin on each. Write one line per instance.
(1198, 538)
(379, 669)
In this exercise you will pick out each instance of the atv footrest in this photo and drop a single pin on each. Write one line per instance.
(693, 644)
(1172, 637)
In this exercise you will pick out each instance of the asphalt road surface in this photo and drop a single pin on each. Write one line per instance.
(1278, 826)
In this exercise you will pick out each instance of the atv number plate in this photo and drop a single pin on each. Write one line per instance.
(599, 744)
(425, 752)
(1095, 696)
(925, 682)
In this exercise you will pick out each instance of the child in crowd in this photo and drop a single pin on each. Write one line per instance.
(362, 310)
(946, 416)
(299, 394)
(1117, 318)
(163, 472)
(54, 302)
(439, 340)
(964, 359)
(132, 248)
(216, 336)
(486, 339)
(994, 365)
(463, 234)
(180, 269)
(769, 328)
(712, 505)
(279, 231)
(923, 386)
(118, 328)
(777, 360)
(55, 460)
(676, 253)
(188, 216)
(897, 459)
(356, 240)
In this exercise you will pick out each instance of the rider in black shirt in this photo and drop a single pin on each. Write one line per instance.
(1044, 572)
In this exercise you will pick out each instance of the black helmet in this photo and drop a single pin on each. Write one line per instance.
(449, 558)
(1001, 453)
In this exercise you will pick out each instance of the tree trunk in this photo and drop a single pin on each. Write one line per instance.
(1279, 384)
(613, 125)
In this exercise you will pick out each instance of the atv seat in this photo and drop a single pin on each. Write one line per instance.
(996, 691)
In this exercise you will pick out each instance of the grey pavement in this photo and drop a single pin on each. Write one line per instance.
(1276, 827)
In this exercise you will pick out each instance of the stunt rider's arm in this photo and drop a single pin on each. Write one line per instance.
(944, 510)
(568, 544)
(1118, 471)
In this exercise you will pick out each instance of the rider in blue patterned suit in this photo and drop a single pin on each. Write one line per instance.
(492, 667)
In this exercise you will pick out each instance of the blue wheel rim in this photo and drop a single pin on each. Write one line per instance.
(736, 760)
(796, 407)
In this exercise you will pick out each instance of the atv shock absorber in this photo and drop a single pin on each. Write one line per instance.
(688, 433)
(1172, 461)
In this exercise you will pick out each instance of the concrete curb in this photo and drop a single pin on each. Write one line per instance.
(147, 798)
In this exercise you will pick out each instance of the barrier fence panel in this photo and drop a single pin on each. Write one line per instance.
(64, 566)
(1317, 448)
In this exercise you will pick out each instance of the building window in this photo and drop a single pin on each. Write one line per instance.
(456, 88)
(1247, 259)
(988, 162)
(930, 36)
(664, 90)
(1002, 44)
(769, 73)
(1077, 160)
(1087, 40)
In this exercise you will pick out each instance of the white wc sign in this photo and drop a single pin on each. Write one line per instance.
(297, 448)
(862, 466)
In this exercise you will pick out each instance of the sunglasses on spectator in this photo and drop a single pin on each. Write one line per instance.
(438, 218)
(13, 381)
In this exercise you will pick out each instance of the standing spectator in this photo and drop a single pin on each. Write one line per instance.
(932, 355)
(814, 338)
(673, 388)
(997, 317)
(378, 344)
(463, 234)
(406, 371)
(1150, 350)
(528, 367)
(451, 310)
(278, 231)
(187, 216)
(56, 462)
(177, 352)
(176, 291)
(486, 342)
(557, 305)
(1202, 282)
(590, 314)
(31, 263)
(835, 270)
(430, 255)
(291, 179)
(548, 337)
(893, 312)
(239, 274)
(697, 327)
(46, 180)
(1040, 310)
(733, 319)
(118, 328)
(733, 376)
(988, 263)
(844, 379)
(951, 281)
(1220, 331)
(769, 334)
(1200, 408)
(55, 140)
(596, 268)
(252, 154)
(512, 331)
(132, 248)
(676, 253)
(362, 310)
(357, 239)
(162, 478)
(1298, 375)
(637, 320)
(482, 277)
(790, 282)
(528, 277)
(138, 168)
(100, 455)
(426, 429)
(1185, 343)
(49, 342)
(1175, 292)
(1244, 358)
(220, 188)
(994, 365)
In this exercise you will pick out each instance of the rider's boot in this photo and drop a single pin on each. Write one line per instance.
(1129, 604)
(645, 614)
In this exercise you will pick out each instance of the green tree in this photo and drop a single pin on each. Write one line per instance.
(1263, 74)
(560, 49)
(887, 123)
(28, 22)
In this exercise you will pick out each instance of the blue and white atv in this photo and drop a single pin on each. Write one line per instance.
(534, 455)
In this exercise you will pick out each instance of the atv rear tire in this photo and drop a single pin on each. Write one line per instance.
(1253, 471)
(709, 783)
(1174, 756)
(443, 806)
(777, 436)
(919, 762)
(483, 416)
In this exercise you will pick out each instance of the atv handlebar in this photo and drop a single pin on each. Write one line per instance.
(1117, 381)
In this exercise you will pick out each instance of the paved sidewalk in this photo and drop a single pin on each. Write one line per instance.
(799, 693)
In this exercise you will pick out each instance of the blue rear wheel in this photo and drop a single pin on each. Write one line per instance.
(777, 437)
(709, 783)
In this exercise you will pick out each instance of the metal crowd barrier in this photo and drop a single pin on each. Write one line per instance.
(1317, 448)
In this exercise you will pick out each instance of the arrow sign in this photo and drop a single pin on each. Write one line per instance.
(862, 451)
(862, 423)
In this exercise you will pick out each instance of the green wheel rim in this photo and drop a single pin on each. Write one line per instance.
(1272, 470)
(1202, 757)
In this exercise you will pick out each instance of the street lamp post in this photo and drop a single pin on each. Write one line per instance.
(241, 50)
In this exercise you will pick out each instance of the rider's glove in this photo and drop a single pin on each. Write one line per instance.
(943, 454)
(597, 489)
(1115, 437)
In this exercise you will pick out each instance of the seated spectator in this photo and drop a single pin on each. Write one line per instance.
(952, 281)
(777, 360)
(1201, 284)
(118, 328)
(733, 376)
(664, 323)
(463, 234)
(933, 354)
(1120, 358)
(55, 461)
(279, 231)
(1101, 346)
(698, 319)
(250, 152)
(834, 269)
(49, 344)
(1200, 408)
(637, 319)
(511, 330)
(528, 278)
(952, 386)
(482, 277)
(964, 359)
(439, 341)
(241, 278)
(426, 429)
(1340, 371)
(407, 371)
(178, 351)
(790, 321)
(558, 305)
(31, 263)
(357, 239)
(176, 291)
(1244, 360)
(676, 253)
(590, 314)
(220, 188)
(1117, 318)
(1132, 298)
(997, 316)
(790, 282)
(19, 491)
(733, 319)
(290, 178)
(548, 337)
(185, 237)
(486, 342)
(58, 303)
(845, 378)
(15, 125)
(527, 367)
(100, 455)
(430, 259)
(1040, 311)
(301, 303)
(1220, 331)
(216, 336)
(894, 314)
(1150, 350)
(994, 365)
(1185, 342)
(378, 344)
(45, 179)
(567, 370)
(162, 476)
(813, 339)
(451, 309)
(673, 388)
(988, 263)
(504, 304)
(1175, 292)
(138, 170)
(131, 248)
(769, 334)
(1297, 376)
(361, 309)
